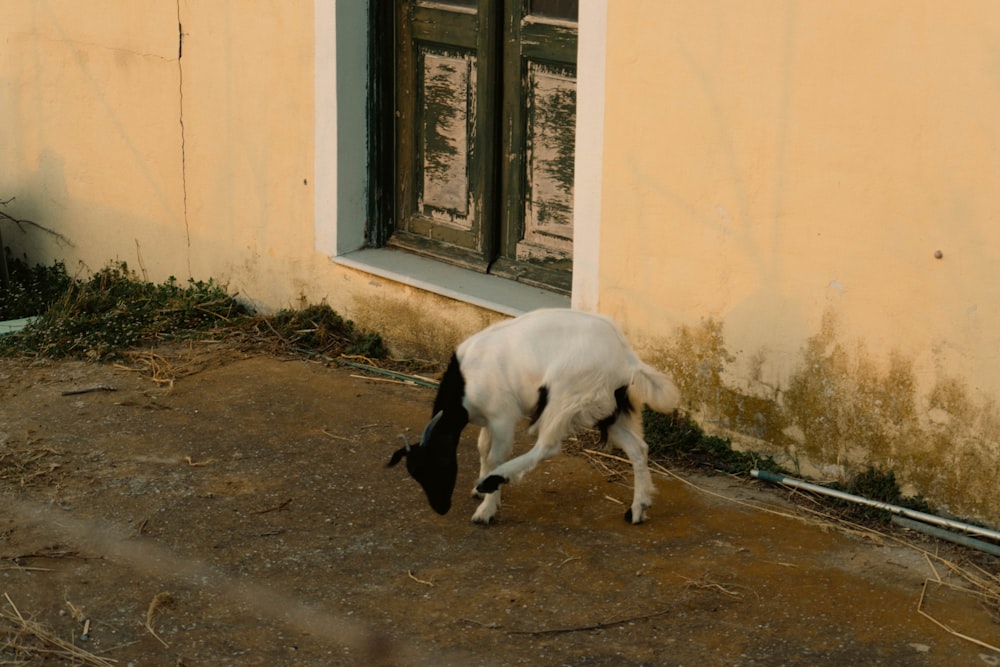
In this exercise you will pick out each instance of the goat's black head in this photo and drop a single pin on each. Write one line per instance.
(434, 462)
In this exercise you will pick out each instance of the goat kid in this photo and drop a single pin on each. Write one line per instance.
(563, 370)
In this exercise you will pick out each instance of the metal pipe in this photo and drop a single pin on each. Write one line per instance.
(946, 535)
(398, 376)
(895, 509)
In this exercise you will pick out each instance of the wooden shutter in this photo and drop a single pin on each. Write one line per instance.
(539, 128)
(445, 90)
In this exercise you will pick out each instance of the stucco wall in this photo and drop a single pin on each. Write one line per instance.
(777, 180)
(194, 154)
(91, 155)
(186, 155)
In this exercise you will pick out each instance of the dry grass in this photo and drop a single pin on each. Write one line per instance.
(160, 600)
(28, 642)
(29, 465)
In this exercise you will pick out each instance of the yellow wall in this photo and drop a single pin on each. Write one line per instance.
(91, 155)
(777, 179)
(248, 117)
(195, 163)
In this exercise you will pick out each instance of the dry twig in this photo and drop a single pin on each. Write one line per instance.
(163, 599)
(87, 390)
(410, 574)
(197, 464)
(277, 508)
(708, 584)
(945, 626)
(585, 628)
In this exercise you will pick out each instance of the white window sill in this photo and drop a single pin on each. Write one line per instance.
(497, 294)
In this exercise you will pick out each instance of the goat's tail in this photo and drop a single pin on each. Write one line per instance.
(655, 389)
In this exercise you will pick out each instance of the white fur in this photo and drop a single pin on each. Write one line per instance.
(582, 358)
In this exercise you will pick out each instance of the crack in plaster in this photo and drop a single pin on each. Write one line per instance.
(78, 43)
(180, 91)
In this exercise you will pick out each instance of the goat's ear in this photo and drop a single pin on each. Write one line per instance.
(400, 453)
(430, 427)
(398, 456)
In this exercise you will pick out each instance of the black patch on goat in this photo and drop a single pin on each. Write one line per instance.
(434, 463)
(622, 404)
(543, 400)
(491, 483)
(451, 391)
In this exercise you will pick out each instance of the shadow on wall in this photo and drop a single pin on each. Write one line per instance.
(85, 233)
(45, 184)
(843, 411)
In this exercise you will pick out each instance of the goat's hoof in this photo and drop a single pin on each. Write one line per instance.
(635, 521)
(491, 484)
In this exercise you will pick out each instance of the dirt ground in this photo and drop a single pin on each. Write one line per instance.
(243, 515)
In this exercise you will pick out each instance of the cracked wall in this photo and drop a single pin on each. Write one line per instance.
(88, 99)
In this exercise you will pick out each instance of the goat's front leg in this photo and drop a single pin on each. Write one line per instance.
(484, 445)
(495, 443)
(518, 467)
(552, 427)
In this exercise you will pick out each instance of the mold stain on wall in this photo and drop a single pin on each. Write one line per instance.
(844, 409)
(419, 325)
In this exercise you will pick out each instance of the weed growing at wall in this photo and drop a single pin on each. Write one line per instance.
(320, 330)
(31, 289)
(114, 310)
(677, 439)
(882, 486)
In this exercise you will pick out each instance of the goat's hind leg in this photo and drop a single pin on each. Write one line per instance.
(626, 433)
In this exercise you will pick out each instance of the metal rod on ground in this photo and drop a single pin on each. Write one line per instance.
(381, 371)
(888, 507)
(946, 535)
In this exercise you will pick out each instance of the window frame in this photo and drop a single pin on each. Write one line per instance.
(496, 254)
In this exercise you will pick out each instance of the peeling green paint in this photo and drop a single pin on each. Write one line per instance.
(447, 97)
(552, 147)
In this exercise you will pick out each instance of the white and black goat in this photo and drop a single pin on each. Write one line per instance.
(562, 369)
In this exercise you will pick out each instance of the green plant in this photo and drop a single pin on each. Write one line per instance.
(114, 310)
(31, 289)
(319, 329)
(881, 486)
(679, 439)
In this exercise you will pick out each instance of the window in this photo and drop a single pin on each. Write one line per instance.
(473, 134)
